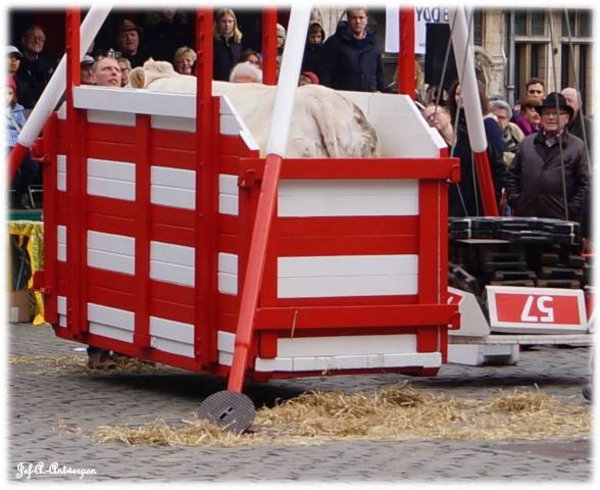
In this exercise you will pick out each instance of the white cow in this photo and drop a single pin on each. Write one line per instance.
(324, 123)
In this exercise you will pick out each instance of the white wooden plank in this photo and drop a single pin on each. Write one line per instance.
(61, 172)
(225, 341)
(228, 263)
(61, 253)
(111, 169)
(329, 363)
(108, 315)
(227, 283)
(109, 242)
(225, 359)
(225, 106)
(173, 177)
(249, 140)
(374, 360)
(61, 305)
(333, 363)
(173, 187)
(346, 345)
(110, 117)
(228, 205)
(111, 188)
(172, 273)
(111, 332)
(405, 143)
(172, 347)
(421, 359)
(61, 234)
(62, 321)
(228, 184)
(135, 101)
(186, 125)
(348, 187)
(347, 265)
(61, 238)
(175, 198)
(273, 365)
(172, 330)
(229, 125)
(172, 254)
(110, 261)
(303, 206)
(331, 287)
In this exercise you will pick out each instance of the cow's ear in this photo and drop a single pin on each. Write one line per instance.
(137, 77)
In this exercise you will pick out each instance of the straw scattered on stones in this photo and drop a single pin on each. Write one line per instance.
(77, 364)
(398, 412)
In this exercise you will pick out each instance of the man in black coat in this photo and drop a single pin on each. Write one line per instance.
(352, 56)
(549, 176)
(36, 68)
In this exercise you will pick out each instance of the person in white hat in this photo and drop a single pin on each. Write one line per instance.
(14, 60)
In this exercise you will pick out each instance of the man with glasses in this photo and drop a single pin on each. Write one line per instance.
(549, 176)
(36, 68)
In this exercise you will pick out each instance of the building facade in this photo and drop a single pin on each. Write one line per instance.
(512, 46)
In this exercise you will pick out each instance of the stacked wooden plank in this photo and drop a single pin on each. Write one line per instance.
(515, 251)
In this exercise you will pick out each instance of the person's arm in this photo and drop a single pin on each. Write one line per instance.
(327, 61)
(581, 183)
(512, 182)
(495, 152)
(380, 74)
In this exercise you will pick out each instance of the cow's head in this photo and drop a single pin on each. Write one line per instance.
(153, 70)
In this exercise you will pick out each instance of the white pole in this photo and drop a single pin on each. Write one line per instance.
(56, 86)
(468, 79)
(289, 74)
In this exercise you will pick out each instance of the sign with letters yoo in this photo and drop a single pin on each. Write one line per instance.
(536, 310)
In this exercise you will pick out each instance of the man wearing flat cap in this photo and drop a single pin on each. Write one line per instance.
(549, 176)
(127, 40)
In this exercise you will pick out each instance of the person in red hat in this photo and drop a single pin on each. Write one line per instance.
(549, 176)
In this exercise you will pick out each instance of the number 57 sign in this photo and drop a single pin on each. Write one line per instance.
(536, 310)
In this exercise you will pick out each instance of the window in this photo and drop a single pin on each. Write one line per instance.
(530, 23)
(576, 52)
(577, 23)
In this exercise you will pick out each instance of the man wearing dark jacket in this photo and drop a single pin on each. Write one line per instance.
(549, 176)
(352, 57)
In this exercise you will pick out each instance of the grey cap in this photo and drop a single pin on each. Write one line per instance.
(87, 60)
(13, 50)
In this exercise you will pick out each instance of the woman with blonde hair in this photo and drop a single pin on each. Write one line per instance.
(227, 45)
(184, 60)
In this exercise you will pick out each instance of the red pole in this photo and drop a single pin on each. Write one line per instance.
(254, 272)
(486, 184)
(269, 46)
(206, 193)
(406, 53)
(15, 158)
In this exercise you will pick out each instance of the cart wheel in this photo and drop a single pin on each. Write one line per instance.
(229, 410)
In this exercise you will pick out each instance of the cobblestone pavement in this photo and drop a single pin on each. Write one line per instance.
(40, 401)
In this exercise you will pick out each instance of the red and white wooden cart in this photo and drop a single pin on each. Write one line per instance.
(154, 211)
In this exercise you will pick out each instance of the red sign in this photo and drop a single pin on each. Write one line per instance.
(537, 308)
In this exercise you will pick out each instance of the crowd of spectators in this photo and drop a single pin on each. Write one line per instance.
(522, 140)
